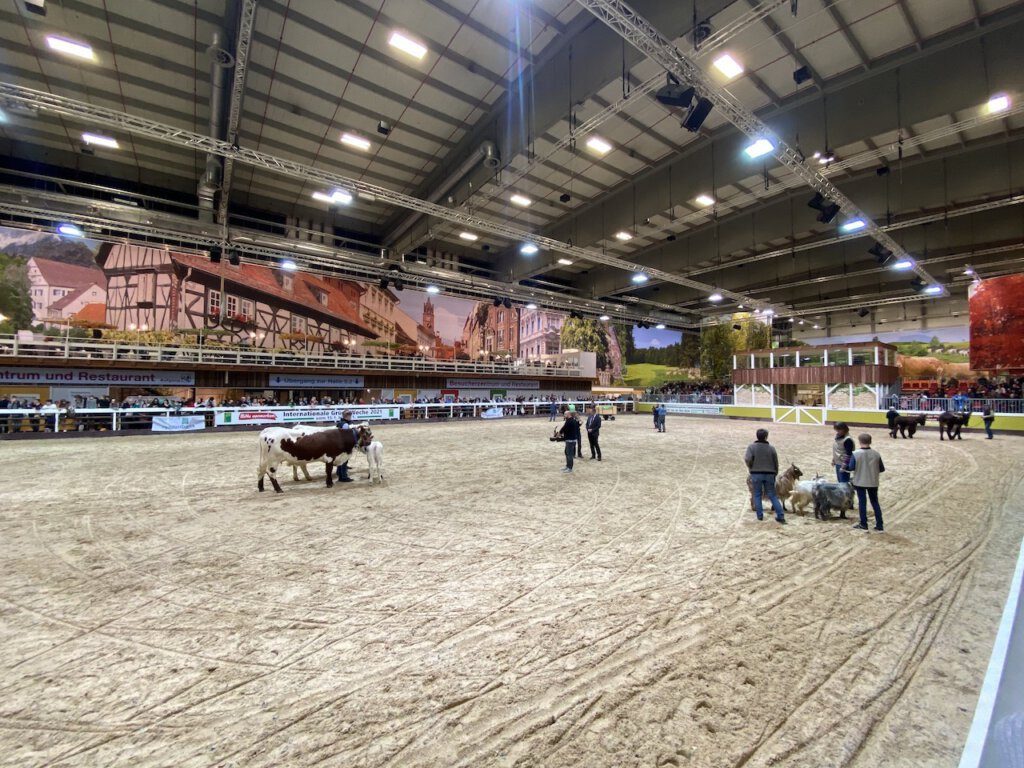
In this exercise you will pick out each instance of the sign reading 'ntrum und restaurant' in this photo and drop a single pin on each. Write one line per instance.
(95, 377)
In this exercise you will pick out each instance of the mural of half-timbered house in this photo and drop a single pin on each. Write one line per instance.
(165, 290)
(55, 286)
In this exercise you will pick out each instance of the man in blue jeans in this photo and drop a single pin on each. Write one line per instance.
(763, 463)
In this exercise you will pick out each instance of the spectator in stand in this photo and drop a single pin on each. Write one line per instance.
(987, 418)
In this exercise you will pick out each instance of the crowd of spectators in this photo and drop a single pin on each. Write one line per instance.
(691, 392)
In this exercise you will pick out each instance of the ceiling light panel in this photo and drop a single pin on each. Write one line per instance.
(407, 45)
(521, 200)
(355, 141)
(704, 200)
(70, 47)
(598, 145)
(98, 140)
(469, 236)
(623, 236)
(728, 66)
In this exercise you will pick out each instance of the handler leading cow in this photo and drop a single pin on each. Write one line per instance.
(331, 446)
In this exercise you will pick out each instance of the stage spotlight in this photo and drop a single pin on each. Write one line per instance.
(384, 128)
(828, 213)
(497, 301)
(863, 312)
(384, 284)
(918, 284)
(675, 95)
(399, 285)
(507, 303)
(882, 170)
(215, 253)
(234, 259)
(801, 75)
(698, 115)
(565, 197)
(817, 202)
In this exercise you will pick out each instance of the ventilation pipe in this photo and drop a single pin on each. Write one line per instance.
(486, 154)
(221, 63)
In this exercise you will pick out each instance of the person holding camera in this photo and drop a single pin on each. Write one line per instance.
(570, 433)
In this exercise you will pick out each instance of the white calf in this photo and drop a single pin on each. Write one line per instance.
(375, 459)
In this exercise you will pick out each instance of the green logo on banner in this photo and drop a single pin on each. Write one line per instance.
(227, 417)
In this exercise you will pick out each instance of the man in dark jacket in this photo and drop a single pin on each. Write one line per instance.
(763, 463)
(891, 415)
(570, 432)
(593, 431)
(345, 423)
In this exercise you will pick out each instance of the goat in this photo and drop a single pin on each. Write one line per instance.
(829, 496)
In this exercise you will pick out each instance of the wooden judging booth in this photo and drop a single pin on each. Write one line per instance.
(859, 375)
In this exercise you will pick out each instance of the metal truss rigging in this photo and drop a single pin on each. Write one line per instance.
(643, 36)
(247, 16)
(50, 103)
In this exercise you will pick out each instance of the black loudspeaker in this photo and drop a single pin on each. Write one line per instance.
(828, 213)
(698, 115)
(507, 303)
(215, 255)
(234, 259)
(97, 333)
(863, 312)
(675, 95)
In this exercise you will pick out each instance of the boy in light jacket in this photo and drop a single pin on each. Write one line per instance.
(867, 467)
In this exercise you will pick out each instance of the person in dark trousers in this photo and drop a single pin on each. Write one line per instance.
(345, 423)
(594, 432)
(867, 466)
(987, 417)
(570, 432)
(891, 415)
(579, 443)
(763, 463)
(842, 452)
(553, 410)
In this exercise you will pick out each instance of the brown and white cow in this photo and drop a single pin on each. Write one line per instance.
(283, 445)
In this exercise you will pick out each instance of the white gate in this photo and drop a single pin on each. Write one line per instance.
(798, 414)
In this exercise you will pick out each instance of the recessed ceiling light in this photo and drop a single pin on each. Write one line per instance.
(70, 47)
(801, 322)
(599, 145)
(407, 45)
(433, 289)
(716, 296)
(816, 325)
(853, 225)
(469, 236)
(70, 230)
(531, 306)
(623, 236)
(904, 264)
(103, 141)
(704, 200)
(728, 66)
(354, 141)
(290, 265)
(999, 103)
(639, 278)
(521, 200)
(933, 289)
(565, 262)
(660, 326)
(529, 249)
(759, 148)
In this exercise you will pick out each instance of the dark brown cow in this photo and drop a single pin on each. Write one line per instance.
(331, 446)
(908, 424)
(950, 423)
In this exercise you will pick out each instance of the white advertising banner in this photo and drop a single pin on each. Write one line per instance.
(312, 381)
(178, 423)
(95, 377)
(493, 413)
(706, 410)
(233, 416)
(492, 384)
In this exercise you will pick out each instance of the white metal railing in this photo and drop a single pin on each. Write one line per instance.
(78, 349)
(51, 419)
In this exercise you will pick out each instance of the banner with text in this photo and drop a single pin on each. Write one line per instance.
(178, 423)
(95, 377)
(697, 408)
(312, 381)
(493, 413)
(235, 416)
(491, 384)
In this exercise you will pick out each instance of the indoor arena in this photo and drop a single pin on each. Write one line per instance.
(480, 607)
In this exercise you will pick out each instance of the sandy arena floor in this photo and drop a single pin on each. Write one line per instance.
(484, 609)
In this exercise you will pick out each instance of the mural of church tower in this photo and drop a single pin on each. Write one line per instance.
(428, 317)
